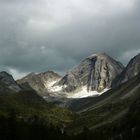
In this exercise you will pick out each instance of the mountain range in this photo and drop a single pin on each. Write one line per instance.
(93, 76)
(98, 98)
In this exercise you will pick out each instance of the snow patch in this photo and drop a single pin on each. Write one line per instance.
(49, 84)
(57, 90)
(84, 93)
(52, 88)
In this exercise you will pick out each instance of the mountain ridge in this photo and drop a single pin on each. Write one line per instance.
(9, 81)
(131, 70)
(93, 76)
(38, 81)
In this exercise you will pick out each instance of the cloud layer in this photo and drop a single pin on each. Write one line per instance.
(40, 35)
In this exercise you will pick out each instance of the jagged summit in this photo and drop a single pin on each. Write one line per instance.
(9, 81)
(4, 74)
(40, 73)
(40, 81)
(131, 70)
(95, 73)
(48, 73)
(104, 56)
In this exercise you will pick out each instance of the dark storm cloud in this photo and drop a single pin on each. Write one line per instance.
(47, 34)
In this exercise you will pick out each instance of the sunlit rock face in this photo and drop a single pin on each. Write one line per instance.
(40, 82)
(96, 73)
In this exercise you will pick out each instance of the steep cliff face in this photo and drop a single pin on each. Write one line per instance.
(40, 82)
(95, 73)
(131, 70)
(9, 82)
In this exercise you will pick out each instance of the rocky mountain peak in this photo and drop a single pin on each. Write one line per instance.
(131, 70)
(133, 67)
(4, 74)
(9, 81)
(40, 81)
(49, 75)
(95, 73)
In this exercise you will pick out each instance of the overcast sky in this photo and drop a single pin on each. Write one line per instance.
(41, 35)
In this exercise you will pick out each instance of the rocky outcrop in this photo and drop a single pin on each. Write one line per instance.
(96, 72)
(9, 82)
(48, 77)
(40, 82)
(131, 70)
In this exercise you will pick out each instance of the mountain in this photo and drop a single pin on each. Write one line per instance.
(25, 115)
(124, 91)
(113, 115)
(93, 76)
(40, 82)
(131, 70)
(7, 80)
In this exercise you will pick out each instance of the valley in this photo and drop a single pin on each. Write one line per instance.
(93, 100)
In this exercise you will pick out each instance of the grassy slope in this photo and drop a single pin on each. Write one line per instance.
(27, 104)
(108, 108)
(102, 116)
